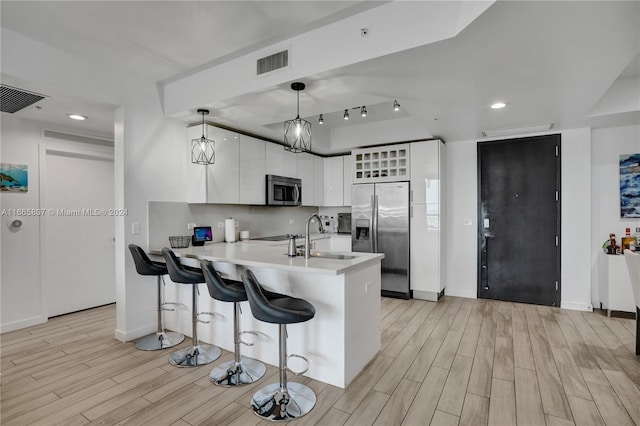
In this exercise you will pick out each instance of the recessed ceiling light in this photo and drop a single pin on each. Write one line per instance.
(77, 117)
(498, 105)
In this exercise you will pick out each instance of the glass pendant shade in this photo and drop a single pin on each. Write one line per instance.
(297, 132)
(203, 150)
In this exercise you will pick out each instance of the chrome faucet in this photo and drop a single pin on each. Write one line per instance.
(307, 243)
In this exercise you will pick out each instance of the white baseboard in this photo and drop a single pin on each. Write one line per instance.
(431, 296)
(575, 306)
(469, 294)
(127, 336)
(18, 325)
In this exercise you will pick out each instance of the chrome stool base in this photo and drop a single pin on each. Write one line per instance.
(195, 355)
(276, 404)
(157, 341)
(230, 373)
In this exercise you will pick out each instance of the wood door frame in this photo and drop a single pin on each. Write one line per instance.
(69, 149)
(480, 227)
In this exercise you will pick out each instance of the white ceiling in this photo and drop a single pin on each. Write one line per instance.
(551, 61)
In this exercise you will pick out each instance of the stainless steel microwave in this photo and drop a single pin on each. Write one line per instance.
(283, 191)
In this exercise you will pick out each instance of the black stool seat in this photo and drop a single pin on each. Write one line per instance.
(282, 401)
(222, 289)
(241, 370)
(180, 273)
(161, 339)
(273, 307)
(197, 354)
(144, 265)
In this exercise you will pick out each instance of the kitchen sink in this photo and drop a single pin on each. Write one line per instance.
(329, 255)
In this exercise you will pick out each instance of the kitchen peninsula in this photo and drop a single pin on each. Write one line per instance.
(339, 341)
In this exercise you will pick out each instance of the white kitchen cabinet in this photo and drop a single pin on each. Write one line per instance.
(424, 169)
(616, 293)
(252, 170)
(289, 163)
(274, 159)
(318, 181)
(346, 181)
(280, 162)
(334, 187)
(196, 182)
(218, 182)
(306, 172)
(427, 243)
(223, 177)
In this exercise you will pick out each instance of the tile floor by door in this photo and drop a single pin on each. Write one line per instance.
(460, 361)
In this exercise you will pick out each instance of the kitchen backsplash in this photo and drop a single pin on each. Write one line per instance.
(171, 218)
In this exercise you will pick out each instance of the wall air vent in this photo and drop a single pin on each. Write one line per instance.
(52, 134)
(13, 99)
(272, 62)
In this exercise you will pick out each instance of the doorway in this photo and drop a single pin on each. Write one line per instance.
(519, 220)
(77, 232)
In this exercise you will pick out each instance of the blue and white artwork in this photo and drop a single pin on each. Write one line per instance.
(630, 186)
(14, 177)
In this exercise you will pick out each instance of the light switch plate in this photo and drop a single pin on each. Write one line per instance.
(191, 225)
(468, 222)
(135, 228)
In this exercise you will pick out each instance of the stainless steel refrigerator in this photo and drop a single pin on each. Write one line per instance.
(380, 224)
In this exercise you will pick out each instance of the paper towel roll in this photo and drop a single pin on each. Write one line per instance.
(230, 230)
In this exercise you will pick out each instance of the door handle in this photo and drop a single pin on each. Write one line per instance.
(374, 222)
(296, 193)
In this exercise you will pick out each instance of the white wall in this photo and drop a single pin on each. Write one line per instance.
(575, 233)
(150, 163)
(20, 286)
(22, 298)
(606, 147)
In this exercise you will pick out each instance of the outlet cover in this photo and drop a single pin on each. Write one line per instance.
(191, 225)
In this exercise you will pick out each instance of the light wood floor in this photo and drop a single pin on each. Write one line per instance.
(460, 361)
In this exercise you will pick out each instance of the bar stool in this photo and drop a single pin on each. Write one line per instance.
(281, 401)
(161, 339)
(197, 354)
(242, 370)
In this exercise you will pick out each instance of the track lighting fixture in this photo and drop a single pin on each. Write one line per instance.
(396, 106)
(363, 111)
(321, 119)
(203, 150)
(297, 132)
(346, 114)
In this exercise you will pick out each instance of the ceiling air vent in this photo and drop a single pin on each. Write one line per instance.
(273, 62)
(13, 99)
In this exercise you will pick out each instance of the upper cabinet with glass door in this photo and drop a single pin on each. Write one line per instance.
(389, 163)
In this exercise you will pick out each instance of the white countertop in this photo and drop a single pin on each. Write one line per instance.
(273, 254)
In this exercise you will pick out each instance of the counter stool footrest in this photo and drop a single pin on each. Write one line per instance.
(297, 373)
(172, 306)
(244, 342)
(210, 314)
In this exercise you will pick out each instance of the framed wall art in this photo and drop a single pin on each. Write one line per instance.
(14, 177)
(630, 186)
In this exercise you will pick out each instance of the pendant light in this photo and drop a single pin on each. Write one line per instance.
(297, 132)
(203, 150)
